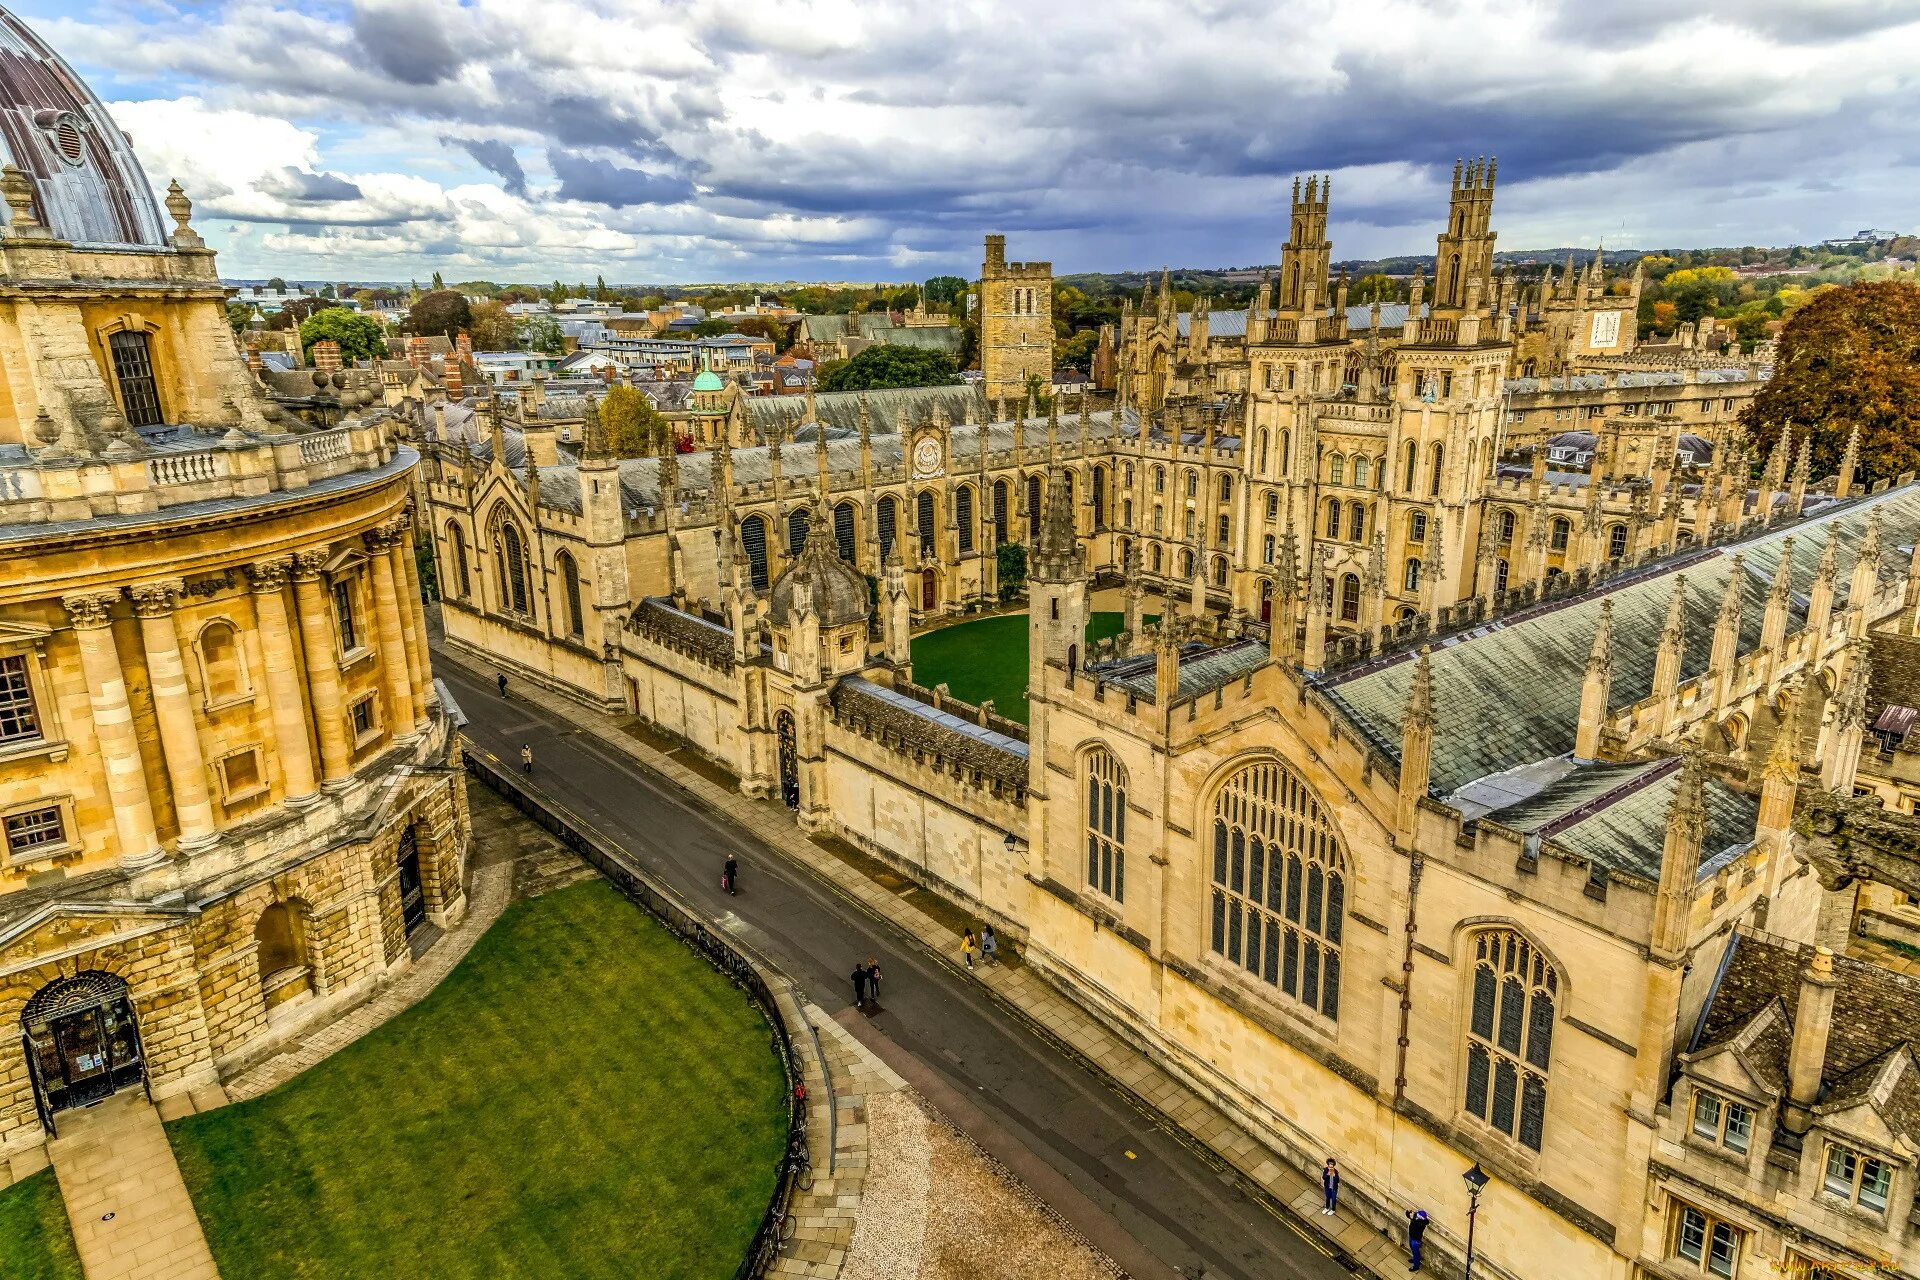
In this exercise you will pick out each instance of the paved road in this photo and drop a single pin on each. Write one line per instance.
(1132, 1188)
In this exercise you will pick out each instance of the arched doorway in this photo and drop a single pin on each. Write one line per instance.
(413, 890)
(929, 589)
(83, 1042)
(789, 759)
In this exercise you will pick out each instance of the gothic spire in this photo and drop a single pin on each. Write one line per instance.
(1057, 554)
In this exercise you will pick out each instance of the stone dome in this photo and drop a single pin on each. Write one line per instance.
(708, 380)
(840, 594)
(88, 185)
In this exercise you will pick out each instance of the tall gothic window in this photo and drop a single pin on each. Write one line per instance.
(1098, 496)
(1510, 1035)
(1562, 531)
(843, 538)
(888, 518)
(1279, 886)
(999, 513)
(963, 516)
(1412, 580)
(458, 541)
(1616, 541)
(570, 584)
(1506, 527)
(797, 531)
(924, 517)
(1106, 824)
(1033, 506)
(512, 554)
(1350, 598)
(133, 370)
(753, 537)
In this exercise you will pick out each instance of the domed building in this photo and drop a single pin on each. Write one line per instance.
(226, 807)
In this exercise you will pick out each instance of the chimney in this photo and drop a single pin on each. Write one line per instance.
(416, 351)
(1812, 1022)
(326, 355)
(463, 346)
(454, 380)
(254, 362)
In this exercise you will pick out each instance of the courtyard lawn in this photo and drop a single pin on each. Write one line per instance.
(987, 658)
(35, 1241)
(581, 1096)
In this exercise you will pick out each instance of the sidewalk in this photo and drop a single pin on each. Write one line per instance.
(132, 1219)
(1019, 989)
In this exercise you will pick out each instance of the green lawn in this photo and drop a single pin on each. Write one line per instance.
(581, 1096)
(35, 1241)
(987, 658)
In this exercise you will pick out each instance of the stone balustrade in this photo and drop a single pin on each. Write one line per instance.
(43, 489)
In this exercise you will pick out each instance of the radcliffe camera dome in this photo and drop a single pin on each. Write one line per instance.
(88, 186)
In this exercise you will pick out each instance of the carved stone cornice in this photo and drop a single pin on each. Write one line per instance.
(382, 540)
(268, 576)
(156, 599)
(308, 564)
(90, 610)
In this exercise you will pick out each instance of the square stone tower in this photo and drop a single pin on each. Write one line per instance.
(1016, 322)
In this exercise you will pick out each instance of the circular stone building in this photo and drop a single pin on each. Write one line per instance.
(227, 806)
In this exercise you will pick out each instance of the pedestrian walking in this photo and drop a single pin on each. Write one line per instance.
(968, 946)
(1329, 1187)
(873, 980)
(730, 875)
(1416, 1235)
(526, 758)
(503, 685)
(989, 945)
(859, 986)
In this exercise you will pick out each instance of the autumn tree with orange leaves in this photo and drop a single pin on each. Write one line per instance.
(1848, 358)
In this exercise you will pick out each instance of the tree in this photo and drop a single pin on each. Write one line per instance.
(492, 329)
(1369, 289)
(889, 366)
(277, 285)
(1010, 568)
(600, 288)
(943, 290)
(360, 337)
(438, 283)
(442, 312)
(1849, 358)
(540, 333)
(634, 428)
(239, 316)
(1076, 352)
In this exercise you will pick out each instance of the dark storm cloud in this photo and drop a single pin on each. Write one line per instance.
(307, 188)
(406, 39)
(496, 157)
(594, 181)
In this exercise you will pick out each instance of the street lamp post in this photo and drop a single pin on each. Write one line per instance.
(1476, 1180)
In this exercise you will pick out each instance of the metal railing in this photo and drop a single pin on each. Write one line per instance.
(747, 972)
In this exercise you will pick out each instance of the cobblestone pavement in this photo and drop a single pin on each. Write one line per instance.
(1291, 1196)
(132, 1218)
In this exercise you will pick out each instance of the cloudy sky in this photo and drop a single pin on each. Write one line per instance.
(699, 140)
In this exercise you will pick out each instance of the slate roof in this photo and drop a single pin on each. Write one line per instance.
(1202, 670)
(1233, 324)
(842, 408)
(878, 708)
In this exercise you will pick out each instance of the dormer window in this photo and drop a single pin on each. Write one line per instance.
(133, 370)
(1722, 1122)
(65, 131)
(1857, 1178)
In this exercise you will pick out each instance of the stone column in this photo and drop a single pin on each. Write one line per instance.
(323, 666)
(286, 701)
(113, 729)
(414, 617)
(173, 707)
(392, 630)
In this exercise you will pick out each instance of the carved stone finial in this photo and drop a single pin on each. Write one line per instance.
(179, 208)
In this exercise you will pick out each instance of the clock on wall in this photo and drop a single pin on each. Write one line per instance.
(926, 457)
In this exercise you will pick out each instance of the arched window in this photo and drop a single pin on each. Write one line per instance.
(1035, 510)
(1562, 530)
(1506, 528)
(753, 536)
(963, 516)
(797, 520)
(1616, 541)
(1357, 522)
(458, 579)
(280, 954)
(1286, 450)
(1193, 484)
(1360, 472)
(1266, 549)
(887, 517)
(1279, 885)
(1226, 488)
(999, 512)
(1350, 598)
(1407, 467)
(845, 539)
(1510, 1035)
(1273, 505)
(1219, 571)
(570, 584)
(1439, 459)
(1413, 574)
(1186, 565)
(1159, 479)
(1187, 525)
(1098, 496)
(1261, 453)
(1156, 557)
(1500, 571)
(1416, 528)
(923, 514)
(1333, 518)
(223, 665)
(1336, 470)
(1106, 790)
(511, 553)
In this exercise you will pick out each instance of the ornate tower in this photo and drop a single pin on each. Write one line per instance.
(1465, 249)
(1016, 322)
(1305, 255)
(1057, 587)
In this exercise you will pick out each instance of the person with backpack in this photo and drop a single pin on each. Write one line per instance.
(989, 945)
(1416, 1236)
